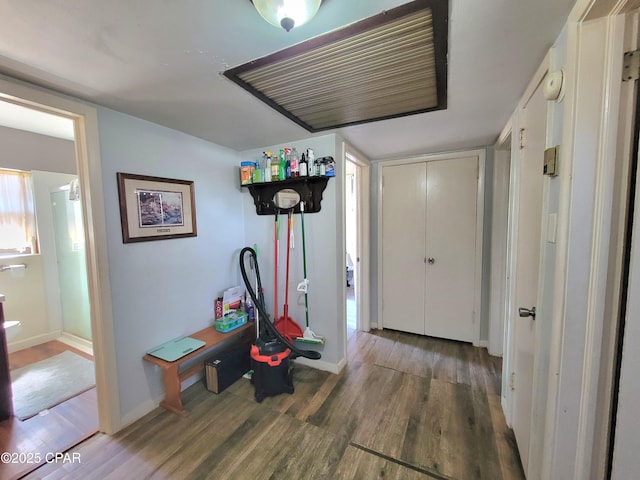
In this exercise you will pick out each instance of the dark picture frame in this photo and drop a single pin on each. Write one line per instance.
(155, 208)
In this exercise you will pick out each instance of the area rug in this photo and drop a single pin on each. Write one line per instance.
(47, 383)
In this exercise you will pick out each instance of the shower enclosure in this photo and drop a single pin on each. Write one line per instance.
(71, 259)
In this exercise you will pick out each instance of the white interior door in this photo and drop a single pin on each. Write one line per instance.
(403, 247)
(626, 461)
(452, 192)
(527, 265)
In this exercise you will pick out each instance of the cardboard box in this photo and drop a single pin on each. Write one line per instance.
(227, 367)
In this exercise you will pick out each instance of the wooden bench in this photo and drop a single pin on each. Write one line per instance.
(173, 378)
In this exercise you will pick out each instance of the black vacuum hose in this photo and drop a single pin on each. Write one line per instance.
(259, 305)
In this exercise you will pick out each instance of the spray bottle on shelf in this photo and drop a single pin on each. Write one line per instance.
(311, 167)
(275, 166)
(283, 165)
(295, 163)
(248, 308)
(265, 166)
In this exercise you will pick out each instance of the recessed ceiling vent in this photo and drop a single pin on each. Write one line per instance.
(389, 65)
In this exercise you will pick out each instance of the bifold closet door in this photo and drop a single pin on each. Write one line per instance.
(403, 247)
(429, 212)
(452, 195)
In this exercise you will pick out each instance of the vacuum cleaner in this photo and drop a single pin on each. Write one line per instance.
(271, 354)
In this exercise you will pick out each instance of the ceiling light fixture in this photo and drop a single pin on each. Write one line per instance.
(287, 13)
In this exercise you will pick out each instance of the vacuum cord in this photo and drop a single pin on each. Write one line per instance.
(259, 304)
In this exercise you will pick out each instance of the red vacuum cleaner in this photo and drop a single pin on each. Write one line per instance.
(271, 353)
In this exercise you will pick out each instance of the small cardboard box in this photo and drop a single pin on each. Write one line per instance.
(227, 367)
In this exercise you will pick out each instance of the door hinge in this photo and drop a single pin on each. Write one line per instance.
(631, 66)
(512, 381)
(521, 138)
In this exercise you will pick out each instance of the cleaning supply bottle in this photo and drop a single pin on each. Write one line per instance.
(275, 166)
(249, 309)
(311, 167)
(330, 167)
(295, 163)
(282, 172)
(304, 166)
(266, 168)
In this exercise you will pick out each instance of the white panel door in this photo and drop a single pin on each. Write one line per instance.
(626, 461)
(403, 237)
(452, 192)
(527, 265)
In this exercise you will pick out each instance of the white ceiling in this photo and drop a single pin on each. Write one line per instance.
(161, 61)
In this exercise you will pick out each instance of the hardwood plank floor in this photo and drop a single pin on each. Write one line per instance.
(405, 407)
(64, 425)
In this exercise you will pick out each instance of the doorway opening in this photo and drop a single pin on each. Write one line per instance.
(50, 296)
(356, 241)
(352, 241)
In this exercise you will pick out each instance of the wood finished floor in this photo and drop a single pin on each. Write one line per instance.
(405, 407)
(64, 425)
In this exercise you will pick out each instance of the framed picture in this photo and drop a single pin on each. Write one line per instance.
(155, 208)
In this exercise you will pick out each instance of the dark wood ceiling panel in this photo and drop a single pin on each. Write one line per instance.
(389, 65)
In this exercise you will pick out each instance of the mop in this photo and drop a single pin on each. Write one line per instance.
(308, 335)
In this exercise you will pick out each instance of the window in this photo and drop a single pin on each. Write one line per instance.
(17, 214)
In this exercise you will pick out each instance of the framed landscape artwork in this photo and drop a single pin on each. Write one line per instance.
(155, 208)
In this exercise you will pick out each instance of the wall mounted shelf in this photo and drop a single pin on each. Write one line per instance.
(309, 188)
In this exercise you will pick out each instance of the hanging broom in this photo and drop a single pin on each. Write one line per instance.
(308, 336)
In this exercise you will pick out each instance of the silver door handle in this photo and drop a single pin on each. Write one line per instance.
(431, 260)
(525, 312)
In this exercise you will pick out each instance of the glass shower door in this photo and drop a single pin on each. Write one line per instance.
(71, 259)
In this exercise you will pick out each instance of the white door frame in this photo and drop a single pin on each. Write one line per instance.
(477, 300)
(87, 150)
(499, 237)
(363, 287)
(594, 61)
(362, 264)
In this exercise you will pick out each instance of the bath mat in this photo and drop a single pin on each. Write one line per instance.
(47, 383)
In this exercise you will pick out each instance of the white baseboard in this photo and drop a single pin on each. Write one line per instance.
(482, 344)
(81, 344)
(33, 341)
(152, 404)
(140, 412)
(320, 365)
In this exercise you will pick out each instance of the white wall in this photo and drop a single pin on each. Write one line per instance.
(26, 301)
(166, 288)
(323, 234)
(30, 151)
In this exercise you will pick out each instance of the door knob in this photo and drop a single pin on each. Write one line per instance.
(431, 260)
(525, 312)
